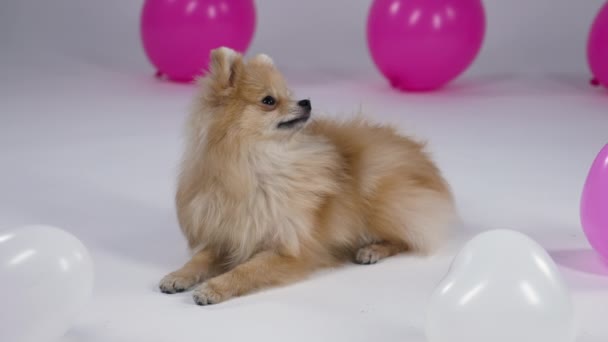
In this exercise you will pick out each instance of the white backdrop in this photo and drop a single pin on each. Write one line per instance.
(89, 142)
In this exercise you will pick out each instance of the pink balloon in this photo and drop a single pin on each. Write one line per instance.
(594, 204)
(597, 47)
(178, 35)
(423, 44)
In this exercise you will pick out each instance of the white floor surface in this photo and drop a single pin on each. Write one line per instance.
(95, 152)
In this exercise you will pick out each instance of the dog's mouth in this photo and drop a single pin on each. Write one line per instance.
(294, 122)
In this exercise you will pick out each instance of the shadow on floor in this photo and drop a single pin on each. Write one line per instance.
(105, 219)
(582, 260)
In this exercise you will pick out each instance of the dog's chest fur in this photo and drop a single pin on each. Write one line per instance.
(283, 187)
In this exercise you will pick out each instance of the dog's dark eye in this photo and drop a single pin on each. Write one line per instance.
(269, 101)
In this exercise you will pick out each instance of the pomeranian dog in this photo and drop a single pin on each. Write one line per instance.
(266, 195)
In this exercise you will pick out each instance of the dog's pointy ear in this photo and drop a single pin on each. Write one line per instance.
(225, 67)
(262, 59)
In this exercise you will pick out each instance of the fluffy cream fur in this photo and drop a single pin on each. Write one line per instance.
(266, 196)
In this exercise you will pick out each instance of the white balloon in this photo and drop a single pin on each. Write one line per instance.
(46, 277)
(501, 287)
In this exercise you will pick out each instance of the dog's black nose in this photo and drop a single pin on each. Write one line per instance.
(305, 104)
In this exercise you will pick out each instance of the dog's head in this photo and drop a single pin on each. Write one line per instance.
(250, 98)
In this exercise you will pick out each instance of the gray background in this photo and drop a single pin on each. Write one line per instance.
(327, 35)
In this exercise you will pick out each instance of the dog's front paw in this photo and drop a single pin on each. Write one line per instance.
(206, 294)
(177, 282)
(368, 255)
